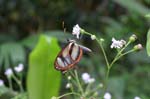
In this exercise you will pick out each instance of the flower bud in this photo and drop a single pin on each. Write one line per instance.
(102, 40)
(100, 85)
(133, 38)
(95, 94)
(138, 47)
(54, 97)
(69, 77)
(93, 37)
(82, 30)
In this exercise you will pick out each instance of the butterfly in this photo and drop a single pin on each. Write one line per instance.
(69, 56)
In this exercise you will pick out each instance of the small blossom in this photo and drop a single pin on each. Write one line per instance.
(93, 37)
(1, 82)
(19, 68)
(117, 43)
(69, 77)
(76, 31)
(138, 47)
(68, 85)
(133, 38)
(8, 72)
(137, 97)
(107, 95)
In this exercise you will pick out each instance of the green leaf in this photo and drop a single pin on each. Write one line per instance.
(3, 90)
(134, 6)
(8, 95)
(119, 84)
(43, 80)
(148, 43)
(11, 53)
(60, 35)
(30, 41)
(21, 96)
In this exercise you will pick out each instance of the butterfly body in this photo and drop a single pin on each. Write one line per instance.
(69, 56)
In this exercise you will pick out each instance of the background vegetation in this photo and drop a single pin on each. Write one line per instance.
(23, 21)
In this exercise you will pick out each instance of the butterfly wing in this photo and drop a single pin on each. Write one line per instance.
(68, 57)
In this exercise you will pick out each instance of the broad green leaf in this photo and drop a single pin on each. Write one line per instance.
(148, 43)
(43, 80)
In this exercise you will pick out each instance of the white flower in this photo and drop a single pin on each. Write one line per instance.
(87, 79)
(1, 82)
(107, 95)
(76, 31)
(19, 68)
(117, 43)
(68, 85)
(93, 37)
(137, 97)
(69, 77)
(8, 72)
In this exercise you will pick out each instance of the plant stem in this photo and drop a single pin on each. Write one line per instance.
(78, 82)
(101, 46)
(68, 94)
(104, 53)
(18, 82)
(10, 83)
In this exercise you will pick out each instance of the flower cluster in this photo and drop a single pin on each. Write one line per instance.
(76, 31)
(117, 43)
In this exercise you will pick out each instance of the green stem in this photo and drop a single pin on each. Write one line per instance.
(104, 53)
(10, 83)
(101, 46)
(18, 82)
(73, 78)
(78, 82)
(68, 94)
(119, 54)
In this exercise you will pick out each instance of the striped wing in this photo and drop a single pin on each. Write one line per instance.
(68, 57)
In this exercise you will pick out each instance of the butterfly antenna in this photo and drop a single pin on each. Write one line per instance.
(63, 26)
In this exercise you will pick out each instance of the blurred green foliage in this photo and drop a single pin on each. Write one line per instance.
(22, 22)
